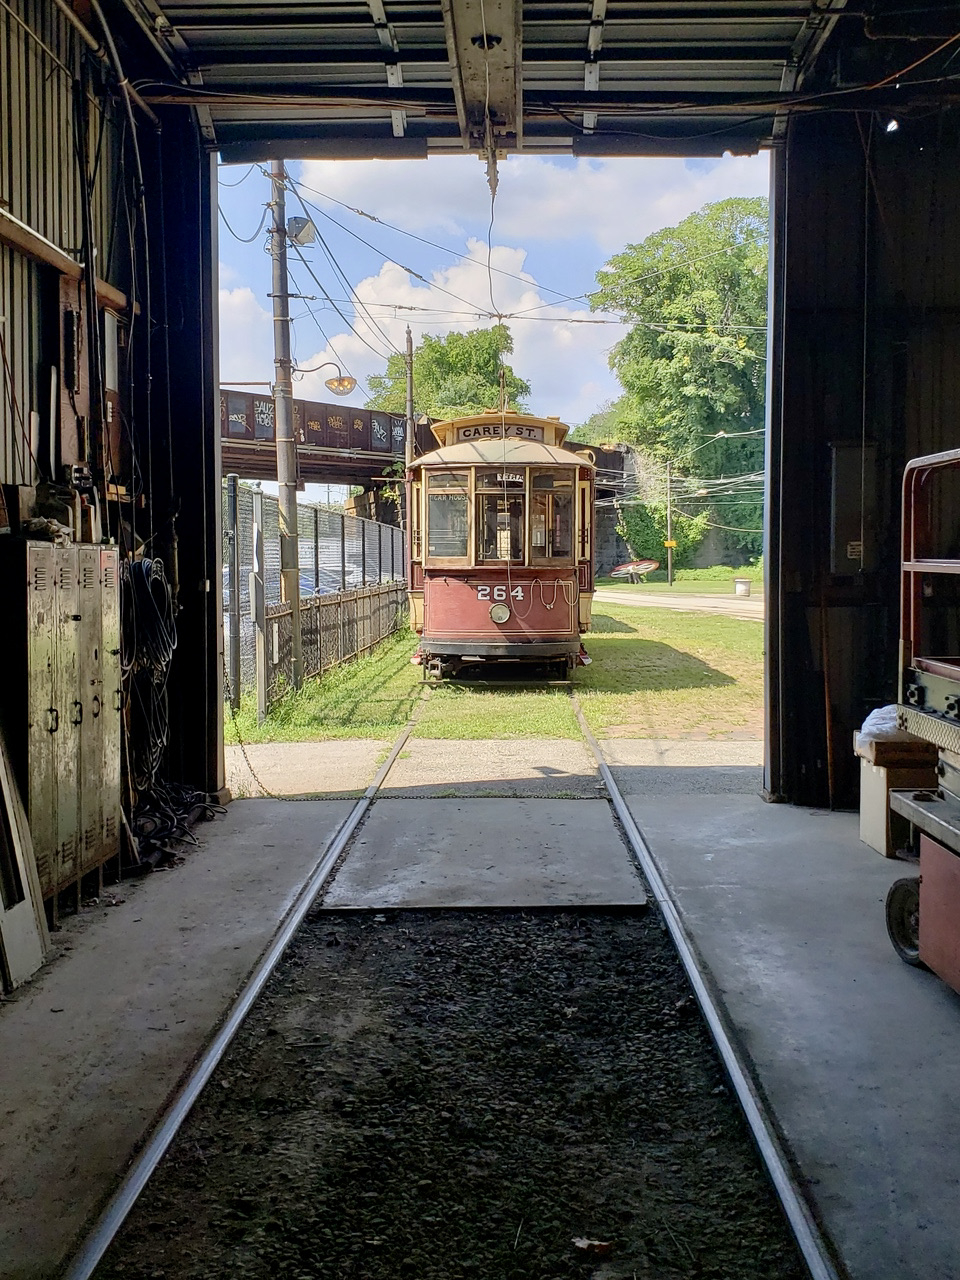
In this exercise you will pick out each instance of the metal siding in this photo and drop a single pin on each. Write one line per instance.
(40, 183)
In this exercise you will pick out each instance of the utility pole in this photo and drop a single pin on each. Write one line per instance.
(283, 420)
(669, 543)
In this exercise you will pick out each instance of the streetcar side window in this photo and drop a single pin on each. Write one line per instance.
(448, 515)
(501, 514)
(551, 515)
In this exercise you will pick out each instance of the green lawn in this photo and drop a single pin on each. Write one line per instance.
(464, 711)
(658, 673)
(655, 674)
(370, 698)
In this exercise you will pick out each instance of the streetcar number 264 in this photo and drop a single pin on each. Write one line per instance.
(499, 593)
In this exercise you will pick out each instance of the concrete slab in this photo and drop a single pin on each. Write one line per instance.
(92, 1048)
(545, 767)
(487, 853)
(653, 766)
(303, 768)
(857, 1053)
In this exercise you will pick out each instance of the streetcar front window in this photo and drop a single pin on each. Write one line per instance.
(551, 515)
(500, 527)
(448, 514)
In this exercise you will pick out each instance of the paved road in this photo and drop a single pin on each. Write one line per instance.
(748, 607)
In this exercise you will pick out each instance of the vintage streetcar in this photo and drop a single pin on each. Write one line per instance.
(500, 544)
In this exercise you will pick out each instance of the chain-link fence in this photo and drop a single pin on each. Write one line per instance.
(351, 587)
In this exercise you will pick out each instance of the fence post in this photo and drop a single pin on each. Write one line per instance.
(316, 548)
(379, 553)
(258, 605)
(363, 552)
(233, 588)
(393, 555)
(343, 552)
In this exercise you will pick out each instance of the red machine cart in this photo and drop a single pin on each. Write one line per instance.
(923, 913)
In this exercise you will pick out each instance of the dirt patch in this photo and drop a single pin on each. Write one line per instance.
(463, 1096)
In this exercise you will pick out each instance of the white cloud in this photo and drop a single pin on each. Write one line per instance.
(610, 201)
(246, 337)
(572, 214)
(561, 357)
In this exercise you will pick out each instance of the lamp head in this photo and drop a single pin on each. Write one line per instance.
(342, 385)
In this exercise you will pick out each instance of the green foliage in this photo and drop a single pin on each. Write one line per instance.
(643, 527)
(692, 364)
(453, 376)
(611, 423)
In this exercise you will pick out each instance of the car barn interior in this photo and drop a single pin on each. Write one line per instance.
(114, 114)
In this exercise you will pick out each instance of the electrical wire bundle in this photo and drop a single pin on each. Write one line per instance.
(149, 637)
(163, 810)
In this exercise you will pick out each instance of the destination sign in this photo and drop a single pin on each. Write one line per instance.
(496, 431)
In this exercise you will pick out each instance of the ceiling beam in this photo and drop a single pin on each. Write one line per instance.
(769, 53)
(591, 68)
(485, 49)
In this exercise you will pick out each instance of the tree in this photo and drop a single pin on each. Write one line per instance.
(693, 363)
(643, 527)
(453, 376)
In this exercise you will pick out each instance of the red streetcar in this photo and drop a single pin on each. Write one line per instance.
(501, 544)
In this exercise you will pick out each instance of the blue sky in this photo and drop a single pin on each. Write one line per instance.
(557, 220)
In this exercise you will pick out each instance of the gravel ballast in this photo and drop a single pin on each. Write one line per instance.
(465, 1096)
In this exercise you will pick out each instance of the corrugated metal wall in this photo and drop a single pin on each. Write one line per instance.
(870, 349)
(40, 184)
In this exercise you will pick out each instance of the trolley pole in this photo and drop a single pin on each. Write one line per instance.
(283, 414)
(408, 438)
(669, 527)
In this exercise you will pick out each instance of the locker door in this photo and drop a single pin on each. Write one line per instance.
(70, 707)
(91, 699)
(43, 715)
(110, 705)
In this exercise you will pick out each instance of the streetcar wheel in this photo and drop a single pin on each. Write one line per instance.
(903, 919)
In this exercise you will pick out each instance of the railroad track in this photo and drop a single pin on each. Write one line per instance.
(812, 1246)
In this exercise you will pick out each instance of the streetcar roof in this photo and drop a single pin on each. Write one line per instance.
(499, 453)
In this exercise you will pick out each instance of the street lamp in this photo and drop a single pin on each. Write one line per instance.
(341, 385)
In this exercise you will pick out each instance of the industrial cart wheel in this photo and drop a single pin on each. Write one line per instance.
(903, 919)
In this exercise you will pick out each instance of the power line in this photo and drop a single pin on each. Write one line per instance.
(242, 239)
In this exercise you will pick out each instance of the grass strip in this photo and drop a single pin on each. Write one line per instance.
(672, 675)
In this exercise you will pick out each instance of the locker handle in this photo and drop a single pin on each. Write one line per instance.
(96, 705)
(53, 720)
(77, 713)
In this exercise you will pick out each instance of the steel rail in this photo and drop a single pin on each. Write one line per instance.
(814, 1248)
(84, 1262)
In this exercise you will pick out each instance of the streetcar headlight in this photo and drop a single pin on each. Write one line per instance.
(499, 612)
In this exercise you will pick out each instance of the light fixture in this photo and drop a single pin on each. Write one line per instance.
(892, 126)
(341, 385)
(301, 231)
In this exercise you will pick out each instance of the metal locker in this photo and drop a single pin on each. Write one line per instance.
(69, 706)
(90, 761)
(43, 714)
(110, 705)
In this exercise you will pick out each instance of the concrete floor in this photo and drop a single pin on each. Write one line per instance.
(92, 1048)
(858, 1054)
(487, 853)
(321, 769)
